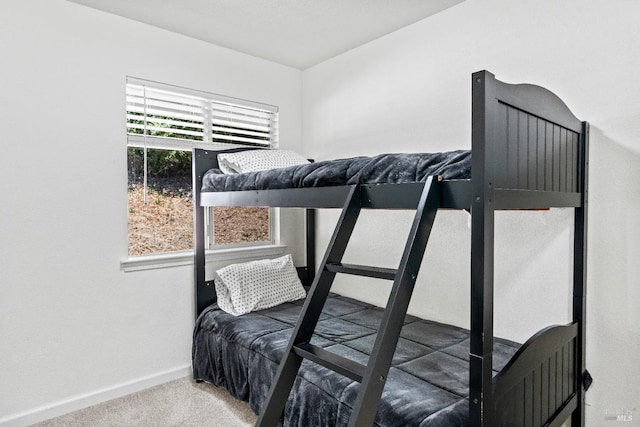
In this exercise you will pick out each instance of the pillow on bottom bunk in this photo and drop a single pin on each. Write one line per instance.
(256, 285)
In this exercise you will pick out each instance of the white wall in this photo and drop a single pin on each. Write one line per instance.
(74, 328)
(411, 90)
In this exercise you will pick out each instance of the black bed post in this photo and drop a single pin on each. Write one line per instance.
(198, 230)
(204, 292)
(310, 228)
(580, 278)
(482, 250)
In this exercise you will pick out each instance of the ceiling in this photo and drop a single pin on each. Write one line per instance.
(296, 33)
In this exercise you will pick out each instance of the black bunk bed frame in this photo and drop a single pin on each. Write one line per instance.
(528, 152)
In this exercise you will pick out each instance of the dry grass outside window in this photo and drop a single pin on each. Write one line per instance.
(165, 222)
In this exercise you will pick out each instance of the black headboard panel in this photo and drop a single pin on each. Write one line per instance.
(527, 146)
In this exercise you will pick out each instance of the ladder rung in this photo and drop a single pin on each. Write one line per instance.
(362, 270)
(339, 364)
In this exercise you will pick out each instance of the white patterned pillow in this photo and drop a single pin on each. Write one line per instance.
(256, 285)
(258, 160)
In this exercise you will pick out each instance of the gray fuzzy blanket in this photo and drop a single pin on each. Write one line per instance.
(381, 169)
(427, 385)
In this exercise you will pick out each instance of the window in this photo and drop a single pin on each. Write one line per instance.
(163, 124)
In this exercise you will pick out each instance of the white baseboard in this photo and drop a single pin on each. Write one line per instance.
(66, 406)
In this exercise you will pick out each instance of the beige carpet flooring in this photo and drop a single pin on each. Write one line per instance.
(181, 402)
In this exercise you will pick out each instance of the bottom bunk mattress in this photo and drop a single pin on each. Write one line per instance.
(427, 385)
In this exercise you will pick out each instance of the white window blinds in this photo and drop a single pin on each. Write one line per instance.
(163, 116)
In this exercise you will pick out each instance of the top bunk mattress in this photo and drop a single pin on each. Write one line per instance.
(381, 169)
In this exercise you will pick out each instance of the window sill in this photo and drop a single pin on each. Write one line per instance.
(178, 259)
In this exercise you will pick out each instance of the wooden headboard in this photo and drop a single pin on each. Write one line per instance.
(524, 139)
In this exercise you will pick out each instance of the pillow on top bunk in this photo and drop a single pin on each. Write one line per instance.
(256, 285)
(258, 160)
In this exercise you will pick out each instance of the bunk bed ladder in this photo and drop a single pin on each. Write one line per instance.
(372, 377)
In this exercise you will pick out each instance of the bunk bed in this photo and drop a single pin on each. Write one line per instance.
(332, 360)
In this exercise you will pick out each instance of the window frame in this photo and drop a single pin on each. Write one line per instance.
(258, 127)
